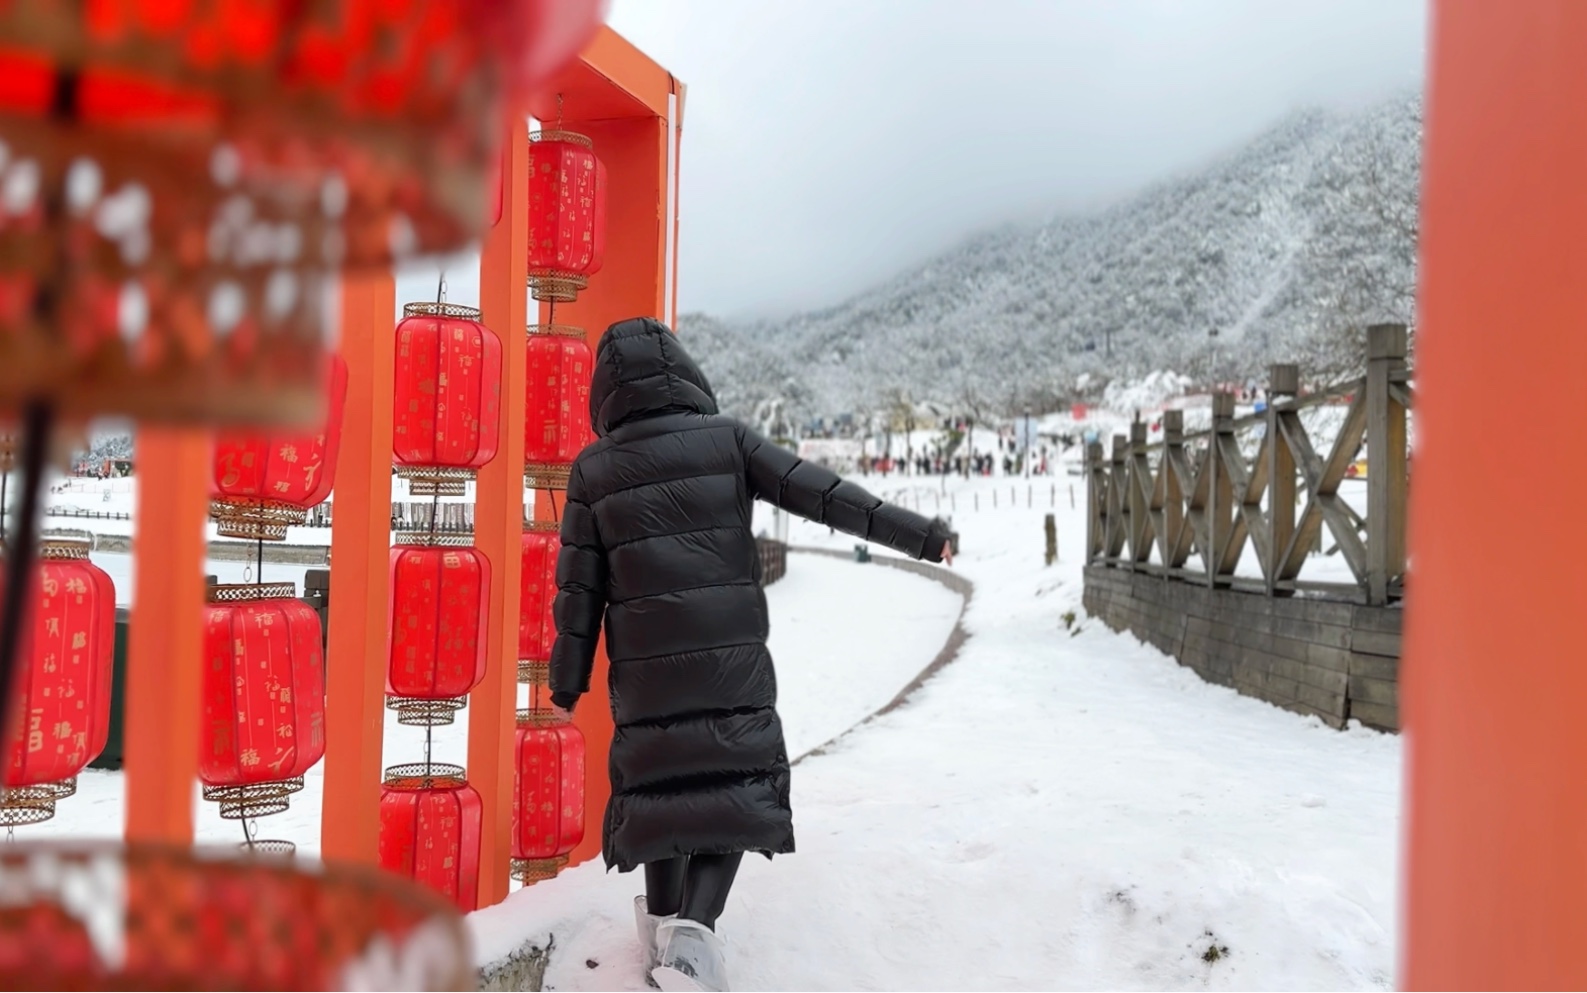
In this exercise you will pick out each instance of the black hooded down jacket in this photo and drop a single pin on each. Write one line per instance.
(657, 539)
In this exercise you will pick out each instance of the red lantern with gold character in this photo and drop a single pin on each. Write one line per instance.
(63, 688)
(264, 698)
(447, 397)
(268, 481)
(537, 593)
(557, 403)
(430, 821)
(183, 179)
(567, 214)
(438, 618)
(548, 790)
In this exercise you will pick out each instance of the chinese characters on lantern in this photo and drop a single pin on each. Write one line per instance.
(446, 424)
(63, 689)
(447, 397)
(567, 214)
(264, 699)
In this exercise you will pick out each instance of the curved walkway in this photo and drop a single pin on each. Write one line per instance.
(950, 648)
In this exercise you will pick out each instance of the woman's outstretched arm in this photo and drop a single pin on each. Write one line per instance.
(783, 479)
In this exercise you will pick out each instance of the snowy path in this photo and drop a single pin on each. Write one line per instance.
(1050, 811)
(909, 619)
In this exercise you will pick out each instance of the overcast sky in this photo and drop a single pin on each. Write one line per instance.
(829, 144)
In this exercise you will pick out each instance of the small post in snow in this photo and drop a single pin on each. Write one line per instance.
(1051, 526)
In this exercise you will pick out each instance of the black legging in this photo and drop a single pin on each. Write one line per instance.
(694, 887)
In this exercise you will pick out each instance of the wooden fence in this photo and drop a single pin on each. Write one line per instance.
(1154, 507)
(1168, 524)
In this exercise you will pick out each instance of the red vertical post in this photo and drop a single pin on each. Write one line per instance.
(1495, 675)
(631, 283)
(498, 522)
(360, 539)
(165, 665)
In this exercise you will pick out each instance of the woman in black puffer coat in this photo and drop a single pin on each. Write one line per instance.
(657, 539)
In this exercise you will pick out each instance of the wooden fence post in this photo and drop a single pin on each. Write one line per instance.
(1051, 527)
(1139, 473)
(1283, 382)
(1169, 497)
(1220, 498)
(1096, 501)
(1386, 458)
(1118, 498)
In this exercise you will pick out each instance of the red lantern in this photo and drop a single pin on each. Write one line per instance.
(548, 794)
(537, 592)
(264, 698)
(266, 482)
(448, 397)
(567, 214)
(63, 689)
(217, 162)
(557, 403)
(430, 821)
(438, 618)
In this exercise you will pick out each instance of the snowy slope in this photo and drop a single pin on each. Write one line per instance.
(1286, 247)
(1055, 810)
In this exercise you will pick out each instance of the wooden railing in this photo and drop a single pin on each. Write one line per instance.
(1154, 507)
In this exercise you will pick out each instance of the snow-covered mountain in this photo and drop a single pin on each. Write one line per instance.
(1281, 251)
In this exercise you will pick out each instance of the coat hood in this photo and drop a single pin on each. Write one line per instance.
(642, 371)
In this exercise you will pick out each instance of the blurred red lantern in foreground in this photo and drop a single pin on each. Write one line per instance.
(447, 405)
(548, 794)
(557, 403)
(429, 830)
(537, 592)
(191, 920)
(567, 214)
(64, 685)
(182, 181)
(438, 618)
(268, 481)
(264, 698)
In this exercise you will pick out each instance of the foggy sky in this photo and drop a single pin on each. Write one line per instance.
(829, 144)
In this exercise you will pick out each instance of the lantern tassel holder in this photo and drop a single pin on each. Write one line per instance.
(261, 520)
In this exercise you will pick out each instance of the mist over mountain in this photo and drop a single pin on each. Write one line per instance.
(1283, 250)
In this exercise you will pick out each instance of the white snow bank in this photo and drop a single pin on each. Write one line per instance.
(1050, 812)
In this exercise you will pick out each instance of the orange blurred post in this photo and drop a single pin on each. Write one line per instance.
(360, 543)
(1494, 680)
(498, 523)
(620, 99)
(165, 663)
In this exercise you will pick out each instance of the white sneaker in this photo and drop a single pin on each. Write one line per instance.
(691, 957)
(647, 924)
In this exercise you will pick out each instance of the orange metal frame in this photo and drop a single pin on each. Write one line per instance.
(1495, 672)
(632, 109)
(1496, 844)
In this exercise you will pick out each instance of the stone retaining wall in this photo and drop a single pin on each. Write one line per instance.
(1325, 657)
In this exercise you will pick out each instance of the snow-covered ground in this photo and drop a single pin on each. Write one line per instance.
(1060, 808)
(891, 623)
